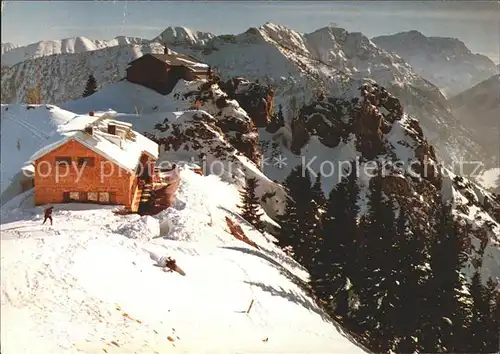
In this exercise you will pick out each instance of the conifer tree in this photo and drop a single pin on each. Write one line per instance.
(280, 119)
(334, 272)
(250, 204)
(319, 200)
(289, 221)
(446, 307)
(483, 336)
(317, 192)
(299, 224)
(307, 212)
(411, 275)
(91, 86)
(492, 338)
(480, 315)
(376, 293)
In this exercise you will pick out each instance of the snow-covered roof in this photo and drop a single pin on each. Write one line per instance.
(178, 60)
(29, 168)
(125, 152)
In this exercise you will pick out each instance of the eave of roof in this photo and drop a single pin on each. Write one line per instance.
(84, 139)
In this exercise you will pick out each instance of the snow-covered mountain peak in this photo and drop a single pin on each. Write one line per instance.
(284, 36)
(183, 35)
(71, 45)
(6, 47)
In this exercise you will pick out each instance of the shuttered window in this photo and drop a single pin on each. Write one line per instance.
(86, 161)
(74, 195)
(63, 160)
(104, 197)
(92, 196)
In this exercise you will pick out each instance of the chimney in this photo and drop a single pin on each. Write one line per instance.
(165, 50)
(89, 129)
(91, 113)
(112, 129)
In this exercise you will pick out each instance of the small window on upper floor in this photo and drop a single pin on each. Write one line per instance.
(86, 161)
(63, 160)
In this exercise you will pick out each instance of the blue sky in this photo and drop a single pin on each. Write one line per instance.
(475, 23)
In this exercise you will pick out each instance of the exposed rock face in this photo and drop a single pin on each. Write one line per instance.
(191, 136)
(492, 205)
(196, 134)
(234, 123)
(256, 99)
(333, 119)
(324, 119)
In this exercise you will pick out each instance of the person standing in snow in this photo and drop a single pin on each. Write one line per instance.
(47, 215)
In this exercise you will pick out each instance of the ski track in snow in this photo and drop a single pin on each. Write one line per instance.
(79, 286)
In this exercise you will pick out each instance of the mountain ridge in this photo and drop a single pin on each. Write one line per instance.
(445, 61)
(296, 65)
(478, 108)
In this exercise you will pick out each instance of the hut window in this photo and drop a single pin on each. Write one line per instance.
(104, 197)
(112, 129)
(86, 161)
(92, 196)
(74, 195)
(63, 160)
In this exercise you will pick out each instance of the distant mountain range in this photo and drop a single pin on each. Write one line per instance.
(12, 54)
(446, 62)
(5, 48)
(478, 109)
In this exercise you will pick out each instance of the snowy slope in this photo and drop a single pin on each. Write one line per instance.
(446, 62)
(469, 204)
(238, 151)
(490, 179)
(296, 64)
(12, 55)
(90, 284)
(23, 131)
